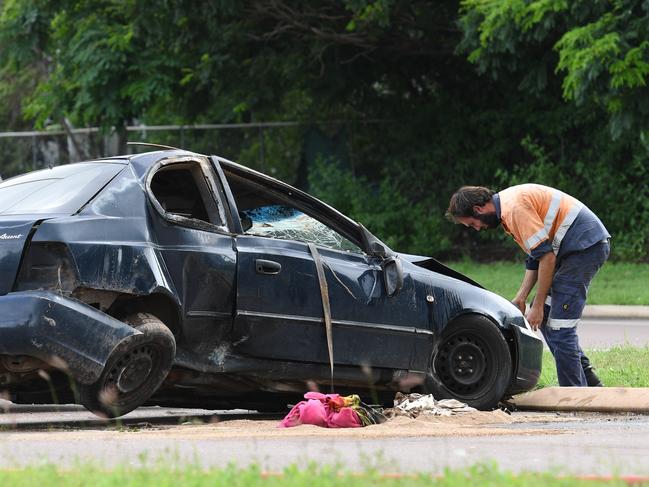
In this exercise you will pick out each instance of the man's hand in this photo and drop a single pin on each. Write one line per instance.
(547, 265)
(529, 280)
(535, 315)
(519, 303)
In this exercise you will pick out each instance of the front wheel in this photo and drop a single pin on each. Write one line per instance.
(134, 371)
(471, 363)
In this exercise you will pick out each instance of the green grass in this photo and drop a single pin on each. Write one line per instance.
(617, 367)
(616, 283)
(488, 475)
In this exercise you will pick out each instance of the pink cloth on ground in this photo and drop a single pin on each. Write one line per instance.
(325, 410)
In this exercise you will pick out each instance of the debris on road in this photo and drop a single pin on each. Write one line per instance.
(335, 411)
(413, 405)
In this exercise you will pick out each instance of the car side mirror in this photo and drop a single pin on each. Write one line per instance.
(392, 275)
(378, 250)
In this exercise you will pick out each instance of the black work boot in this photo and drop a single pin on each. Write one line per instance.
(589, 371)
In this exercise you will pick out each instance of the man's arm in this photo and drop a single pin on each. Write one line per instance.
(545, 274)
(529, 280)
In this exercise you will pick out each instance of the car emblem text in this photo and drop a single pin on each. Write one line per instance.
(4, 236)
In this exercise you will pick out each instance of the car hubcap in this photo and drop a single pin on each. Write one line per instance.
(462, 364)
(132, 370)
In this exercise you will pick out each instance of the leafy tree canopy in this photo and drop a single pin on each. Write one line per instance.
(599, 48)
(106, 62)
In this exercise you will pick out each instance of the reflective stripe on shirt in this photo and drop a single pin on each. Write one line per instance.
(565, 225)
(538, 237)
(552, 210)
(548, 221)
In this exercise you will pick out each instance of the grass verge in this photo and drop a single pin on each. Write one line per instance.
(45, 476)
(622, 366)
(616, 282)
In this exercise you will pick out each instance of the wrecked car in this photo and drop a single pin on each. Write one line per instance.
(174, 278)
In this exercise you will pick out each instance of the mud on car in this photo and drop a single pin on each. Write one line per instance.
(174, 278)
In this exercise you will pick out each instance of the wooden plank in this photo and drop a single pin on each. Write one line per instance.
(602, 399)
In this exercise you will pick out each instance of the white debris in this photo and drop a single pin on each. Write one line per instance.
(413, 405)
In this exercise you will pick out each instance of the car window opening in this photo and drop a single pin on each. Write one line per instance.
(182, 190)
(267, 214)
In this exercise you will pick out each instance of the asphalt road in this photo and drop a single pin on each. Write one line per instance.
(605, 333)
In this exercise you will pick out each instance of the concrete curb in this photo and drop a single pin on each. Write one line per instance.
(593, 399)
(612, 311)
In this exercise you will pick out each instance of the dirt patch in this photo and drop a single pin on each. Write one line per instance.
(478, 423)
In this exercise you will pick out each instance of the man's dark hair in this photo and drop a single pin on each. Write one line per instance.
(465, 198)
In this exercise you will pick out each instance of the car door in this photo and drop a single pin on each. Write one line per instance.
(190, 229)
(279, 309)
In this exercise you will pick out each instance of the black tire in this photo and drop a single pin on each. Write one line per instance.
(471, 363)
(134, 371)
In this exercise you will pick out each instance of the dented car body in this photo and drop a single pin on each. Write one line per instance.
(180, 279)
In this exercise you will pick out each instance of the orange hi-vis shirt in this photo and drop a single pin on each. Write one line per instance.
(532, 214)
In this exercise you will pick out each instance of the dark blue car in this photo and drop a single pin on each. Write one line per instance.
(179, 279)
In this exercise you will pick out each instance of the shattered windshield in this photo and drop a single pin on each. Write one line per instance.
(284, 222)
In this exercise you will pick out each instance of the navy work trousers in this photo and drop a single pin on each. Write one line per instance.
(572, 276)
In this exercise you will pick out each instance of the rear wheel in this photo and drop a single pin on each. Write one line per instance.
(471, 363)
(134, 371)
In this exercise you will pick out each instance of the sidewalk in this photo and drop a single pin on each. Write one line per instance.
(612, 311)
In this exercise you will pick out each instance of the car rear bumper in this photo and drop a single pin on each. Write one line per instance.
(64, 332)
(528, 360)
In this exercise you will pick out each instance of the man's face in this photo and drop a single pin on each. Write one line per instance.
(481, 219)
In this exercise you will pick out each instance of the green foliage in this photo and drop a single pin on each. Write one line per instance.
(368, 12)
(109, 62)
(616, 283)
(274, 151)
(602, 48)
(23, 41)
(105, 70)
(404, 225)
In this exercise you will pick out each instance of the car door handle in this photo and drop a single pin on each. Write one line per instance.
(268, 267)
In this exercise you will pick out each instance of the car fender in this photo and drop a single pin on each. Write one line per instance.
(123, 261)
(475, 300)
(63, 332)
(503, 325)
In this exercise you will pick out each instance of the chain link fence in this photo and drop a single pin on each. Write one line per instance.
(276, 148)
